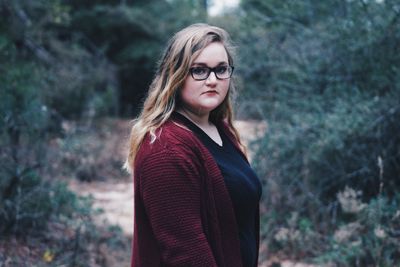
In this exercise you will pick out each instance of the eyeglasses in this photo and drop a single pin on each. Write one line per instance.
(202, 73)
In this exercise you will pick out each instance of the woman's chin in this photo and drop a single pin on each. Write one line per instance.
(210, 104)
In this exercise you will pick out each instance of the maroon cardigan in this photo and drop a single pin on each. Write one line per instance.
(183, 212)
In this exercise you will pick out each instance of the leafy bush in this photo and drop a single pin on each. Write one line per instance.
(370, 237)
(323, 76)
(76, 79)
(37, 212)
(27, 200)
(132, 35)
(45, 79)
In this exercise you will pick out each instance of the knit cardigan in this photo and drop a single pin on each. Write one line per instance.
(183, 212)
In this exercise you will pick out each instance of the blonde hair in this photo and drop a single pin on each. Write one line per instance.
(172, 71)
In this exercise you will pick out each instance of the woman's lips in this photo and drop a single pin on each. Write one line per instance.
(211, 92)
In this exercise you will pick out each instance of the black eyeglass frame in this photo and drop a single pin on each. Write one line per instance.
(212, 70)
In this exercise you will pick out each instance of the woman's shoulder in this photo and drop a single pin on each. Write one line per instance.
(171, 138)
(176, 135)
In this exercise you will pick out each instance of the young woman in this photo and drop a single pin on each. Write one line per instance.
(196, 196)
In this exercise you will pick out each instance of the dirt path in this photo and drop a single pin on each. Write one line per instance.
(115, 199)
(114, 193)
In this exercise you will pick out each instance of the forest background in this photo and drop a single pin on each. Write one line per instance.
(323, 75)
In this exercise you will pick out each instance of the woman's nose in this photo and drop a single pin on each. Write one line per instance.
(212, 78)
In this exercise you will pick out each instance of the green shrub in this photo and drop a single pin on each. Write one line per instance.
(325, 79)
(27, 200)
(370, 238)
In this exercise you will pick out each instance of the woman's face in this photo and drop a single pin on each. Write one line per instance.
(201, 97)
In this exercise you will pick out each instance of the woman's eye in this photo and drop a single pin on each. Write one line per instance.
(222, 69)
(199, 71)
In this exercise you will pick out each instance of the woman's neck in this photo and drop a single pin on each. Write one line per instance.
(201, 120)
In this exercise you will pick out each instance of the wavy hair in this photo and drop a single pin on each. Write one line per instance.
(162, 98)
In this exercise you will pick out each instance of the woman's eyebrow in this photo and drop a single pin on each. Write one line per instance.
(204, 64)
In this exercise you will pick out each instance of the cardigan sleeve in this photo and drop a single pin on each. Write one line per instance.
(170, 189)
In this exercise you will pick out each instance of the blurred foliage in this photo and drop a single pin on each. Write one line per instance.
(36, 33)
(326, 79)
(323, 74)
(132, 35)
(45, 79)
(369, 233)
(27, 201)
(64, 64)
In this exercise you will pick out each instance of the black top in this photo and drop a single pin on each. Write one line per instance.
(243, 186)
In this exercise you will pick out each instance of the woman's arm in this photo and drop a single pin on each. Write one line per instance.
(170, 188)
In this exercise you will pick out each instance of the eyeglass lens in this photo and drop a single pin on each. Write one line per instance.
(202, 73)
